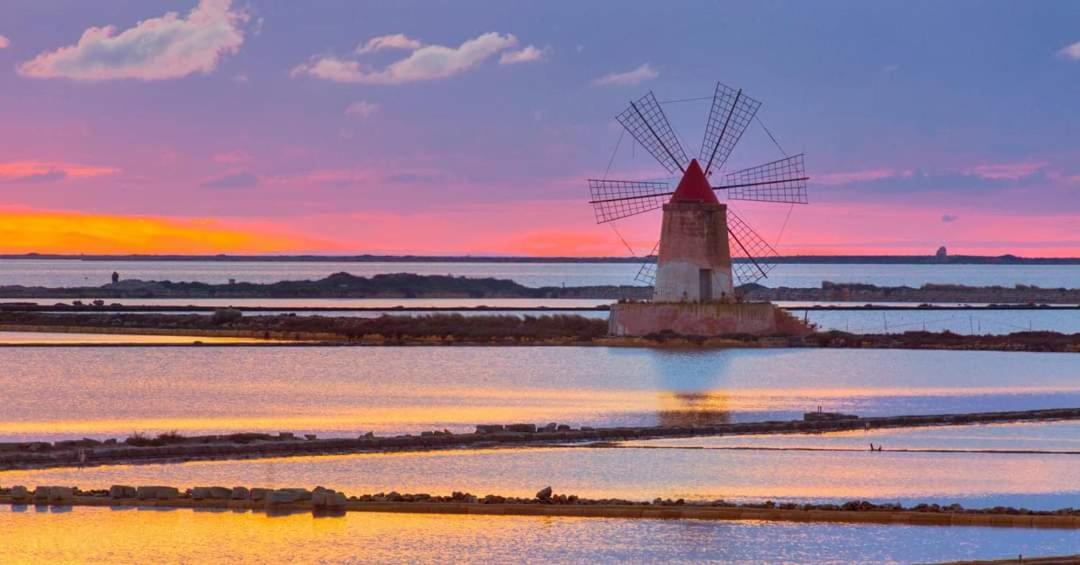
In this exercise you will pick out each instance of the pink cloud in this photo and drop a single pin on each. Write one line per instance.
(629, 78)
(165, 47)
(848, 177)
(1006, 171)
(26, 171)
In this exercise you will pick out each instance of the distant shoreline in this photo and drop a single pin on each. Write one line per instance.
(790, 259)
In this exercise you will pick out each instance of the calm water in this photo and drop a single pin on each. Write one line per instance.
(105, 392)
(841, 468)
(147, 536)
(39, 338)
(78, 273)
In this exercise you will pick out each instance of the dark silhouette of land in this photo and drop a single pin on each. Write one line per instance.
(792, 259)
(409, 285)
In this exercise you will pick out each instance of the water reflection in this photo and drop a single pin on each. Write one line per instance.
(694, 409)
(99, 535)
(108, 392)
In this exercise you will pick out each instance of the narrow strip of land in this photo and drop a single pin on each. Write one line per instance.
(170, 448)
(326, 502)
(495, 330)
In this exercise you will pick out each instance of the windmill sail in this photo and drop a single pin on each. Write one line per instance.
(646, 122)
(647, 273)
(730, 115)
(616, 199)
(758, 256)
(778, 181)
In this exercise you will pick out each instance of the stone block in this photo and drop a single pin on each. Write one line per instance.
(19, 493)
(240, 493)
(527, 428)
(122, 491)
(220, 493)
(157, 493)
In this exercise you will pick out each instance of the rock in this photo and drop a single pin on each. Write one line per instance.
(336, 500)
(157, 492)
(550, 427)
(489, 428)
(122, 491)
(220, 493)
(544, 494)
(562, 428)
(288, 496)
(329, 499)
(258, 494)
(239, 493)
(200, 493)
(310, 437)
(19, 493)
(54, 495)
(526, 428)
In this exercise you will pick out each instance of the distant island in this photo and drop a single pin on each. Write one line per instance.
(409, 285)
(937, 259)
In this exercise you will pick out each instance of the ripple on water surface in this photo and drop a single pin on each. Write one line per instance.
(141, 536)
(642, 471)
(107, 392)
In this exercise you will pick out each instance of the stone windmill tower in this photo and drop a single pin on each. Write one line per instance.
(698, 233)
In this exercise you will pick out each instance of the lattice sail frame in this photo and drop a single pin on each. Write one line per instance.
(646, 122)
(616, 199)
(647, 273)
(730, 115)
(750, 246)
(783, 180)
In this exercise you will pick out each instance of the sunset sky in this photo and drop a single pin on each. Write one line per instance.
(343, 127)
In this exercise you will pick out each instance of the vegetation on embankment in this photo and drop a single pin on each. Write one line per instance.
(451, 329)
(407, 285)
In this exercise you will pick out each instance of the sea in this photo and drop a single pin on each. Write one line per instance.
(71, 390)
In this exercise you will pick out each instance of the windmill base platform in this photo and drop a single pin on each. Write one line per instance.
(703, 319)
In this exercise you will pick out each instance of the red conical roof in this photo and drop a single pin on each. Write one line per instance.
(694, 187)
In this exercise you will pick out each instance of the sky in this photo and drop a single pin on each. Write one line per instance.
(409, 127)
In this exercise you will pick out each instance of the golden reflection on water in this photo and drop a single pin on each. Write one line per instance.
(461, 408)
(638, 474)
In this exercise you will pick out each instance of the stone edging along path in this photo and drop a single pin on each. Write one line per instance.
(176, 448)
(326, 502)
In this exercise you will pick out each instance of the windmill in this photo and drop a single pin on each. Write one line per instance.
(699, 235)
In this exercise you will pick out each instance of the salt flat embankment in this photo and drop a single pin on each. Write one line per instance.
(327, 502)
(176, 448)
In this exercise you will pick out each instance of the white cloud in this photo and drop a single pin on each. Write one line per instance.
(641, 74)
(430, 62)
(160, 48)
(361, 109)
(1071, 52)
(4, 42)
(529, 54)
(394, 41)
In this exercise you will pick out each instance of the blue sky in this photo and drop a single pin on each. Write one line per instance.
(924, 111)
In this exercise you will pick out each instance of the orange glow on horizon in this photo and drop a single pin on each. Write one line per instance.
(23, 231)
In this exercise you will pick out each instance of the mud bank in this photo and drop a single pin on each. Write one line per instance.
(493, 330)
(328, 502)
(169, 448)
